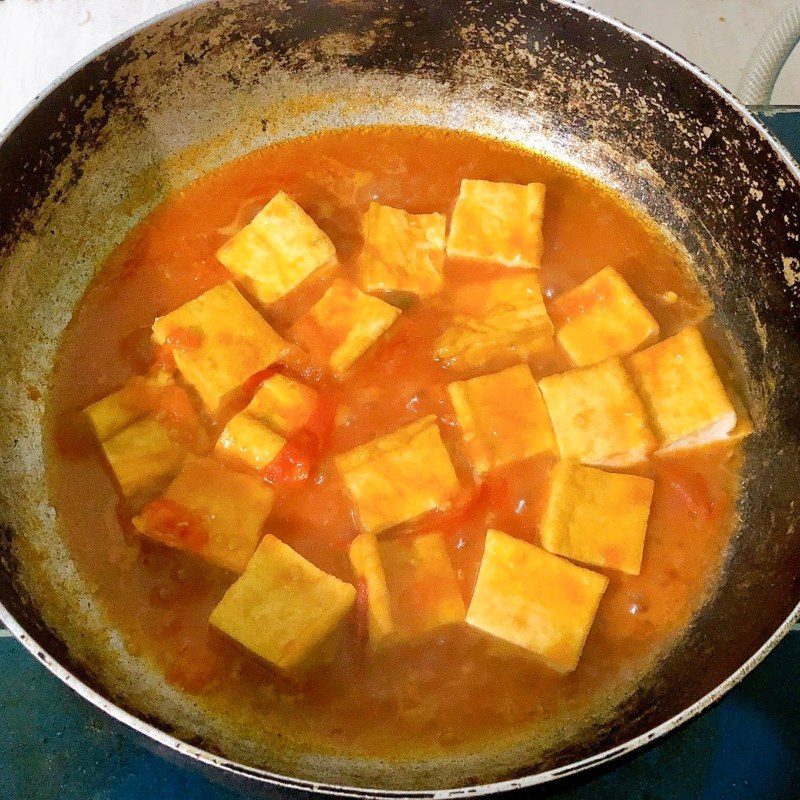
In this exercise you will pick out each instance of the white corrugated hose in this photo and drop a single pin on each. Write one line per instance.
(765, 64)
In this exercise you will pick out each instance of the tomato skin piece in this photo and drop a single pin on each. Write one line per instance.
(254, 382)
(185, 338)
(695, 493)
(249, 388)
(320, 423)
(486, 496)
(293, 464)
(174, 524)
(300, 456)
(164, 360)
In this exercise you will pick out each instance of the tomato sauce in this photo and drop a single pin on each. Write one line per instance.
(453, 691)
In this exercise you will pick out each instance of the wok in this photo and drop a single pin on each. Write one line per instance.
(214, 80)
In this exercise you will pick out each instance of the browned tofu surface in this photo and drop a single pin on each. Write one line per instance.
(283, 404)
(535, 600)
(498, 222)
(597, 517)
(343, 325)
(682, 391)
(283, 608)
(218, 341)
(142, 457)
(601, 318)
(277, 251)
(402, 252)
(209, 510)
(400, 476)
(137, 398)
(502, 418)
(597, 416)
(250, 441)
(368, 570)
(412, 588)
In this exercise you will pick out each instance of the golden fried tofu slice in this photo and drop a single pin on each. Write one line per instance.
(498, 222)
(284, 609)
(143, 456)
(502, 417)
(218, 341)
(368, 569)
(211, 511)
(597, 417)
(250, 441)
(535, 600)
(111, 414)
(601, 318)
(402, 252)
(497, 322)
(411, 586)
(283, 404)
(683, 393)
(343, 324)
(423, 587)
(280, 408)
(597, 517)
(397, 477)
(277, 251)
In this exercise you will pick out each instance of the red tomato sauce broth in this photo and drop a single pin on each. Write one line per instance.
(453, 690)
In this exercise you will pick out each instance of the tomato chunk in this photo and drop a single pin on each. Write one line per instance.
(174, 524)
(695, 493)
(483, 498)
(293, 464)
(300, 456)
(185, 338)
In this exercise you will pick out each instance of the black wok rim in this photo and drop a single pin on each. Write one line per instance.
(575, 768)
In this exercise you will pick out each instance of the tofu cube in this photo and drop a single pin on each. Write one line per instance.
(400, 476)
(411, 586)
(283, 404)
(683, 393)
(284, 609)
(279, 408)
(502, 417)
(402, 252)
(368, 569)
(343, 324)
(219, 341)
(423, 587)
(211, 511)
(111, 414)
(498, 222)
(535, 600)
(597, 517)
(597, 417)
(277, 251)
(143, 457)
(601, 318)
(497, 322)
(248, 440)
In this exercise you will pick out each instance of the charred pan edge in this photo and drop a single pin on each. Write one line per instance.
(53, 662)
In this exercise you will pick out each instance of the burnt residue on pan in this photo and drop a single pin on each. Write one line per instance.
(218, 79)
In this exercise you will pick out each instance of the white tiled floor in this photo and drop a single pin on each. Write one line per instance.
(40, 39)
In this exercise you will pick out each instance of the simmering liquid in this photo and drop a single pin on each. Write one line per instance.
(454, 690)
